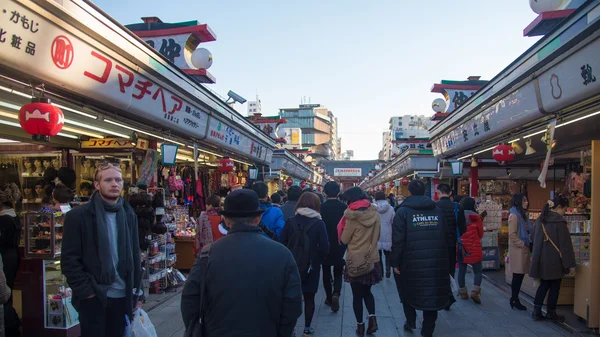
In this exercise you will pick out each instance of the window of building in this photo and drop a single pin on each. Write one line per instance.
(399, 123)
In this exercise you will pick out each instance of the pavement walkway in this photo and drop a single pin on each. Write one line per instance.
(493, 318)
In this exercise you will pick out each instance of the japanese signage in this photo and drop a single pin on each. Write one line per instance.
(114, 143)
(513, 110)
(281, 162)
(173, 48)
(574, 79)
(52, 54)
(400, 147)
(456, 98)
(227, 136)
(347, 172)
(293, 137)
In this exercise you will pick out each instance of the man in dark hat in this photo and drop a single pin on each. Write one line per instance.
(252, 285)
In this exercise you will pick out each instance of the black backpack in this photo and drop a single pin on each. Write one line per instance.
(299, 245)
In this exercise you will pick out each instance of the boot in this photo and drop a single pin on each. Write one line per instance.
(516, 304)
(388, 273)
(335, 302)
(537, 314)
(409, 326)
(360, 330)
(452, 300)
(463, 293)
(372, 325)
(554, 317)
(475, 295)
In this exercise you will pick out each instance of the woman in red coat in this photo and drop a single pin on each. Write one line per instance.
(474, 252)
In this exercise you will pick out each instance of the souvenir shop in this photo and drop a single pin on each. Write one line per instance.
(93, 94)
(287, 170)
(533, 128)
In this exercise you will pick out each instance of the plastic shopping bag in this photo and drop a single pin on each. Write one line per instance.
(127, 332)
(453, 285)
(141, 325)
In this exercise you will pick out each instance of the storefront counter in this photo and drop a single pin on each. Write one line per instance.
(184, 248)
(567, 287)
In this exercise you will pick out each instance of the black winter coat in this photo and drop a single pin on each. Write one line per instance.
(447, 206)
(10, 235)
(419, 250)
(332, 212)
(252, 288)
(80, 260)
(546, 262)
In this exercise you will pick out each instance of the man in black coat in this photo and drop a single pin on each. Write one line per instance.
(252, 286)
(420, 258)
(452, 221)
(289, 207)
(332, 212)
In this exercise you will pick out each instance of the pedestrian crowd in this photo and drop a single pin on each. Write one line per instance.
(260, 258)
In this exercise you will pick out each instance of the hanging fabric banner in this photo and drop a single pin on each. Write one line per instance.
(549, 139)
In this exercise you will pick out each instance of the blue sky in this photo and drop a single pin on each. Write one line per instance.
(364, 60)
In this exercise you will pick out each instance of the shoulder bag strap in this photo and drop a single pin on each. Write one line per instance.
(458, 238)
(549, 239)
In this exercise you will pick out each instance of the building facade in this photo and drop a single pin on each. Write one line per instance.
(348, 155)
(254, 107)
(319, 129)
(404, 132)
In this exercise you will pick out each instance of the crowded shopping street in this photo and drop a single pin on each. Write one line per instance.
(321, 168)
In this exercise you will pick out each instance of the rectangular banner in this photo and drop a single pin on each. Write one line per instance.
(347, 172)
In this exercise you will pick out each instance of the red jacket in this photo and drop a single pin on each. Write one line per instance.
(472, 238)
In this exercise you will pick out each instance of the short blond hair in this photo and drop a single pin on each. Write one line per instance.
(104, 167)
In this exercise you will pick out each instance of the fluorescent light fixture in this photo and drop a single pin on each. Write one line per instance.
(241, 162)
(87, 126)
(565, 123)
(66, 128)
(533, 134)
(476, 153)
(140, 131)
(75, 111)
(514, 140)
(12, 91)
(17, 125)
(4, 141)
(10, 105)
(205, 151)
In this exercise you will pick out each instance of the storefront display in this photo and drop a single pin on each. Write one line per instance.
(43, 234)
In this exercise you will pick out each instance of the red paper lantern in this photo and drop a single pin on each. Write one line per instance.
(503, 153)
(41, 119)
(226, 165)
(289, 181)
(383, 187)
(392, 184)
(302, 184)
(405, 181)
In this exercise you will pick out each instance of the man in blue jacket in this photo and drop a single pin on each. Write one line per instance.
(272, 217)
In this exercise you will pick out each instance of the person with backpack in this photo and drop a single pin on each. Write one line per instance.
(306, 237)
(360, 229)
(272, 219)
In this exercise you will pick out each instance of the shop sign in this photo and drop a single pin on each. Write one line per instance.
(456, 98)
(293, 137)
(574, 79)
(513, 110)
(113, 143)
(403, 146)
(227, 136)
(347, 172)
(173, 48)
(43, 49)
(268, 128)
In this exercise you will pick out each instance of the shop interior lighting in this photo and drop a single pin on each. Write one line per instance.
(66, 128)
(134, 138)
(75, 111)
(241, 162)
(565, 123)
(4, 141)
(140, 131)
(83, 125)
(205, 151)
(12, 91)
(17, 125)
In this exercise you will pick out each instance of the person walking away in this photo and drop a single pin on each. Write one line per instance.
(332, 211)
(10, 236)
(386, 216)
(420, 258)
(289, 207)
(101, 257)
(473, 251)
(207, 230)
(552, 257)
(276, 200)
(519, 229)
(359, 229)
(260, 296)
(391, 199)
(272, 218)
(306, 237)
(5, 295)
(452, 221)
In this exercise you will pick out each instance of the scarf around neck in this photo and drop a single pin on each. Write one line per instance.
(523, 226)
(353, 206)
(107, 268)
(308, 212)
(9, 211)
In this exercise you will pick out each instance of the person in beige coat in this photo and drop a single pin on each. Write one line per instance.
(519, 230)
(360, 229)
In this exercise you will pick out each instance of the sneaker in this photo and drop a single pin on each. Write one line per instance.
(409, 327)
(309, 332)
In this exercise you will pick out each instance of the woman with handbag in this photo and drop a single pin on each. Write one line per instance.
(359, 229)
(552, 257)
(471, 240)
(519, 229)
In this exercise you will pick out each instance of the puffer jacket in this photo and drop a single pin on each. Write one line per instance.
(361, 234)
(472, 238)
(272, 217)
(419, 250)
(386, 215)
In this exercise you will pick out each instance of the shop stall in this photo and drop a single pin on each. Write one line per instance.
(290, 169)
(540, 115)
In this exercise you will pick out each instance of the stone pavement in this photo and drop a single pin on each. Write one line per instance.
(493, 318)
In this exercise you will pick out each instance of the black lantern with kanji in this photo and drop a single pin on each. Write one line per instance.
(41, 119)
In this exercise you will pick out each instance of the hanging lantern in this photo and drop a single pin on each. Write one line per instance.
(302, 184)
(41, 119)
(517, 147)
(392, 184)
(383, 187)
(226, 165)
(474, 162)
(289, 181)
(530, 150)
(503, 153)
(404, 181)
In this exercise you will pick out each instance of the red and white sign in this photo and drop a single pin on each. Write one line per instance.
(347, 172)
